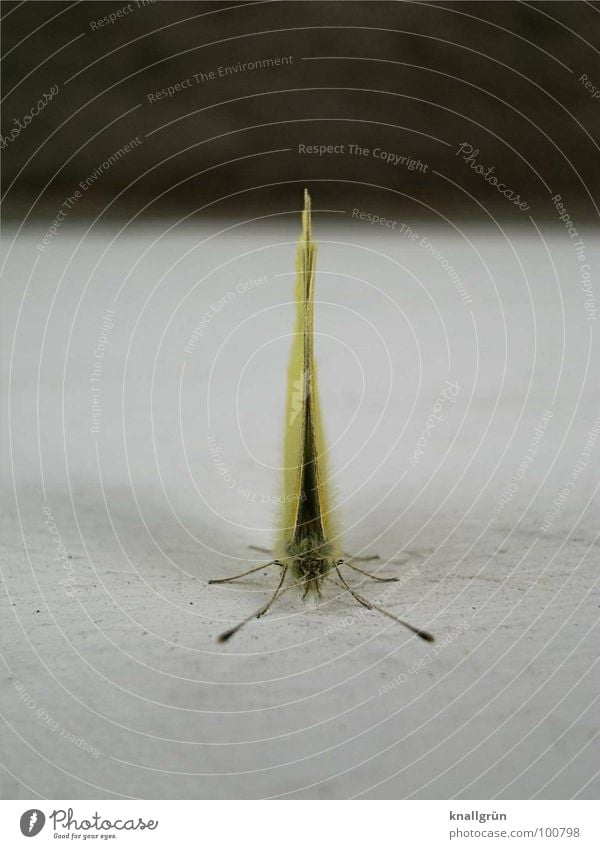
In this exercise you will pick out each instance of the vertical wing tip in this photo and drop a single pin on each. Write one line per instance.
(306, 216)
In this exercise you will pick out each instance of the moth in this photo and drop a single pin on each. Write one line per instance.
(308, 547)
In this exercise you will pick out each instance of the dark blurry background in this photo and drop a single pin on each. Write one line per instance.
(503, 76)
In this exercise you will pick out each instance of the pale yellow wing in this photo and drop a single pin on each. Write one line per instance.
(307, 506)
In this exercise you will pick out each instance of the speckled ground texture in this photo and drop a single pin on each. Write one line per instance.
(113, 684)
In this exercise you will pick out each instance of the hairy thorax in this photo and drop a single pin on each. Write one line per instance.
(310, 559)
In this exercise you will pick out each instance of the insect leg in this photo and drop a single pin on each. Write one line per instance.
(368, 574)
(243, 574)
(352, 592)
(261, 549)
(368, 558)
(226, 635)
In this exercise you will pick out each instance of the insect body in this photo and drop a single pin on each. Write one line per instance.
(307, 547)
(305, 543)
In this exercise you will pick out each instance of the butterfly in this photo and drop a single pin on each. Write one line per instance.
(308, 547)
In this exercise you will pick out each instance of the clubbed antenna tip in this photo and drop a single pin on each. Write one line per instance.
(222, 638)
(426, 636)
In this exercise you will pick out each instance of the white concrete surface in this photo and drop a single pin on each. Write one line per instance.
(113, 684)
